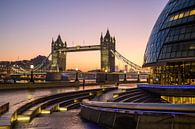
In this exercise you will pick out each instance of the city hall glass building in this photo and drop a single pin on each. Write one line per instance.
(170, 51)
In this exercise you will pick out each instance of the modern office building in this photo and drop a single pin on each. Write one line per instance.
(170, 51)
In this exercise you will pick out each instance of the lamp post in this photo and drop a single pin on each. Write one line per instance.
(31, 75)
(106, 76)
(76, 78)
(83, 81)
(138, 79)
(125, 76)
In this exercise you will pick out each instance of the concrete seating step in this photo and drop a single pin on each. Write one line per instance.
(4, 107)
(141, 99)
(121, 97)
(41, 108)
(55, 107)
(131, 98)
(152, 100)
(25, 111)
(127, 91)
(42, 103)
(69, 107)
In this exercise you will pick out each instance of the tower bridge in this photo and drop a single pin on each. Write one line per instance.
(59, 50)
(107, 50)
(107, 43)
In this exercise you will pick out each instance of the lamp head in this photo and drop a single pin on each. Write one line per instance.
(32, 66)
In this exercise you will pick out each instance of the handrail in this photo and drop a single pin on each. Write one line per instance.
(164, 107)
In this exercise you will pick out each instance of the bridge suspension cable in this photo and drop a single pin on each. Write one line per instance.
(125, 60)
(20, 70)
(43, 62)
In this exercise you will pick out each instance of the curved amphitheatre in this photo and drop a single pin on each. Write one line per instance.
(27, 110)
(143, 108)
(138, 108)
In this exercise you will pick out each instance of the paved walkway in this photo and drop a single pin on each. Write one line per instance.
(15, 97)
(59, 120)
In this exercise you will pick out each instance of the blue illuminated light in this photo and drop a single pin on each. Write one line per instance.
(166, 86)
(116, 110)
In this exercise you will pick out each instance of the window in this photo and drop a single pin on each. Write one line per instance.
(187, 14)
(192, 12)
(181, 15)
(176, 17)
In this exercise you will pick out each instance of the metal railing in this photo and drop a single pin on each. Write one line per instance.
(141, 107)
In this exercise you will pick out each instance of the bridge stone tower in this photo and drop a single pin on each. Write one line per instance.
(58, 58)
(107, 44)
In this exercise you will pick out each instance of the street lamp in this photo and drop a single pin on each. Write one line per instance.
(106, 76)
(31, 75)
(125, 76)
(138, 79)
(77, 78)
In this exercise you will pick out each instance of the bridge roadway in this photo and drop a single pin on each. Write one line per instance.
(80, 48)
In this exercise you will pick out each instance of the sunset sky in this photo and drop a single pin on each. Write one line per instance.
(28, 26)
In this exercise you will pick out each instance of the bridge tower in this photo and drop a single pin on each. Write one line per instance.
(107, 43)
(58, 58)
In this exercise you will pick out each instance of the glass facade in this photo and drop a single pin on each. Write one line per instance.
(170, 51)
(179, 100)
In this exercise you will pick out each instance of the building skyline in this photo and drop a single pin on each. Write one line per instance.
(28, 28)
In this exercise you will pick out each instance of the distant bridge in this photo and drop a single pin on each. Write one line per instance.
(107, 49)
(59, 50)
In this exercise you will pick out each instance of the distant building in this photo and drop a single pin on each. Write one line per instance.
(170, 51)
(7, 67)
